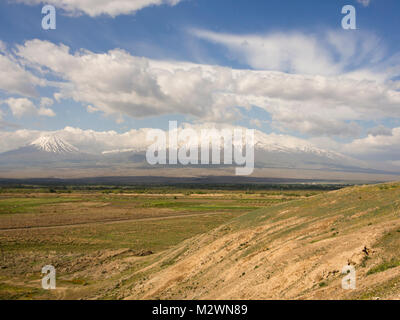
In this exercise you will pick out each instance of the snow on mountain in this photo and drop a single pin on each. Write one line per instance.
(283, 144)
(271, 151)
(118, 151)
(271, 143)
(53, 144)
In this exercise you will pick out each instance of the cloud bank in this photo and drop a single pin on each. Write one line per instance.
(120, 84)
(105, 141)
(374, 147)
(327, 87)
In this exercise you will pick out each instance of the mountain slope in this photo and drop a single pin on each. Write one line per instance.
(53, 144)
(270, 151)
(294, 250)
(43, 152)
(274, 151)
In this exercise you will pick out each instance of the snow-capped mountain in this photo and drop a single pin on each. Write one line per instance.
(271, 151)
(274, 143)
(45, 151)
(54, 144)
(278, 151)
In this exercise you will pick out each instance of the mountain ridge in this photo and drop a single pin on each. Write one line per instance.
(277, 152)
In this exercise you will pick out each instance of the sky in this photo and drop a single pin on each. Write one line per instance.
(286, 68)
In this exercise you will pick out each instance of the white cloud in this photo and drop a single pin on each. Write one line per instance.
(46, 112)
(295, 52)
(95, 8)
(326, 53)
(46, 102)
(15, 139)
(376, 146)
(15, 79)
(3, 46)
(44, 109)
(91, 109)
(118, 83)
(21, 107)
(365, 3)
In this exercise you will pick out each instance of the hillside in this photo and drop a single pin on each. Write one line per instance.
(293, 250)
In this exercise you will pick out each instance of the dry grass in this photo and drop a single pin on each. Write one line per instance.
(214, 245)
(95, 239)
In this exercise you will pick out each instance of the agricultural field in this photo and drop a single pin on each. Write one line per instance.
(100, 237)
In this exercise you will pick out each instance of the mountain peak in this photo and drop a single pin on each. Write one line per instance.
(53, 144)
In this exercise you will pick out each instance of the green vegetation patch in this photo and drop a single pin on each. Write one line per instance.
(25, 205)
(13, 292)
(384, 266)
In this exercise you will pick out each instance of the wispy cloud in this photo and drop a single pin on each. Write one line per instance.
(365, 3)
(95, 8)
(326, 53)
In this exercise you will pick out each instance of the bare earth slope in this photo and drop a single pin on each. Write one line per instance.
(293, 250)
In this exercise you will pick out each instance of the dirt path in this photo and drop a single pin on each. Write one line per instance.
(107, 222)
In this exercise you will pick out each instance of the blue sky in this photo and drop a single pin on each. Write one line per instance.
(301, 40)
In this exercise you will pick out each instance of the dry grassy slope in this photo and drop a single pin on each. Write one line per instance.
(293, 250)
